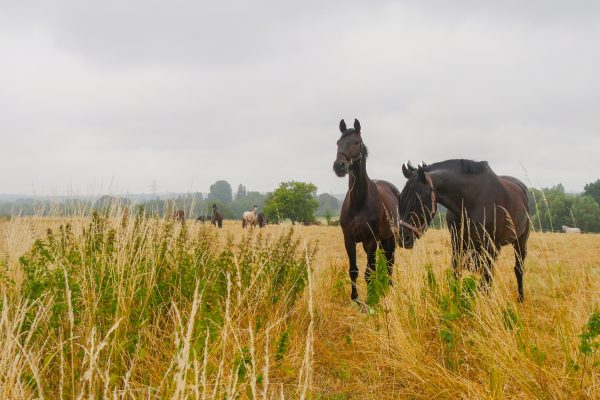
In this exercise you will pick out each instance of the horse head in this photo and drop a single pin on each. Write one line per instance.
(350, 148)
(417, 204)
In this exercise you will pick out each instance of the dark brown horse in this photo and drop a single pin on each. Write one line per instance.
(370, 210)
(485, 212)
(262, 220)
(179, 215)
(217, 217)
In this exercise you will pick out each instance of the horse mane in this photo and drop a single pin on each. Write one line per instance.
(462, 165)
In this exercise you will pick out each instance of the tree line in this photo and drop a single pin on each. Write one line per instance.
(549, 208)
(296, 201)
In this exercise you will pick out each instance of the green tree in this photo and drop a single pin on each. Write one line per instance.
(223, 208)
(586, 213)
(294, 200)
(553, 208)
(221, 191)
(241, 192)
(328, 205)
(593, 190)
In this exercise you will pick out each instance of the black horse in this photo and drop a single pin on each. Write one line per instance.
(369, 214)
(485, 212)
(216, 218)
(262, 220)
(203, 218)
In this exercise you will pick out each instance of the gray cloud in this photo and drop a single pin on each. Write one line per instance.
(119, 93)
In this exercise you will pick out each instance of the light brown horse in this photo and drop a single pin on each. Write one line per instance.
(485, 212)
(370, 210)
(250, 218)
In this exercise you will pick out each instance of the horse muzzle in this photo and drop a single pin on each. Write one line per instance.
(340, 168)
(406, 241)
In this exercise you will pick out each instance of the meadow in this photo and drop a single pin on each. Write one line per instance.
(133, 307)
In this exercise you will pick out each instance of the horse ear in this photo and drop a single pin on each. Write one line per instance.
(411, 168)
(425, 166)
(406, 172)
(356, 126)
(342, 126)
(421, 173)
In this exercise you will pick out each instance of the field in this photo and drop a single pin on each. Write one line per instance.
(129, 307)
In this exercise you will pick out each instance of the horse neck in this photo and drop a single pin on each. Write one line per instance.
(358, 183)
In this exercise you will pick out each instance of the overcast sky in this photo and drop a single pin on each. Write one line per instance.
(107, 96)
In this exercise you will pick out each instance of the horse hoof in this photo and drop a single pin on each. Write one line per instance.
(521, 298)
(362, 306)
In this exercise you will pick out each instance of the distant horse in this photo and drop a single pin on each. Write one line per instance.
(369, 214)
(250, 218)
(203, 218)
(310, 223)
(485, 212)
(566, 229)
(261, 220)
(179, 215)
(217, 218)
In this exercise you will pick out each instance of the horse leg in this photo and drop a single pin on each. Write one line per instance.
(389, 246)
(520, 247)
(351, 251)
(370, 248)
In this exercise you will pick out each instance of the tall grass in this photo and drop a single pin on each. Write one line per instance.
(128, 306)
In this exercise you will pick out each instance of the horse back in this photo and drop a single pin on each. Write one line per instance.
(496, 207)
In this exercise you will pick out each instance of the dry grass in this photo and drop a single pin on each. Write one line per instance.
(408, 347)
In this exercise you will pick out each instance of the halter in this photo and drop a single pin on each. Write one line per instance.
(420, 231)
(352, 160)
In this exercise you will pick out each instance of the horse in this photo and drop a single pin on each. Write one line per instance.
(203, 218)
(250, 218)
(369, 213)
(566, 229)
(311, 223)
(216, 218)
(179, 215)
(261, 220)
(484, 212)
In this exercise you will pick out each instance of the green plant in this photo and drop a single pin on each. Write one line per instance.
(379, 282)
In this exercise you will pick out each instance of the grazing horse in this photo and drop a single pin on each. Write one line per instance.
(261, 220)
(566, 229)
(485, 212)
(250, 218)
(369, 213)
(216, 218)
(203, 218)
(179, 215)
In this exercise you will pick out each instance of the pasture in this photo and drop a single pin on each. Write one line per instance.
(128, 307)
